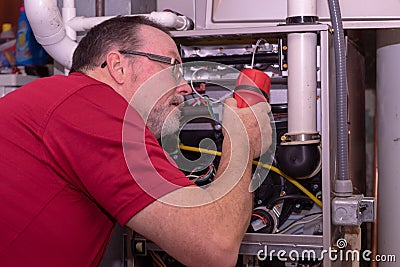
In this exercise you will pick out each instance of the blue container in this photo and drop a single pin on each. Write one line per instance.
(28, 51)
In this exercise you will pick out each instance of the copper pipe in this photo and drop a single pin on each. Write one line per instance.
(100, 8)
(374, 246)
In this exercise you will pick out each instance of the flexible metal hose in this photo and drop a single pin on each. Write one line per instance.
(341, 90)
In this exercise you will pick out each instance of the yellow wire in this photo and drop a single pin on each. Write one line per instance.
(264, 165)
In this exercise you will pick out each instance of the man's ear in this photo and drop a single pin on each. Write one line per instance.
(116, 66)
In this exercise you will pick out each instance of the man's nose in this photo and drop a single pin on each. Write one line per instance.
(183, 88)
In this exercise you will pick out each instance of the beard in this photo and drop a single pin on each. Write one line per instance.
(162, 121)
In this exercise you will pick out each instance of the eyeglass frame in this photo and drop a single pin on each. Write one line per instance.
(175, 63)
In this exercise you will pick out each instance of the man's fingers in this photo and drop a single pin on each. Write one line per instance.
(231, 102)
(263, 106)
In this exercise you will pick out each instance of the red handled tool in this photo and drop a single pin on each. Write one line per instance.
(252, 86)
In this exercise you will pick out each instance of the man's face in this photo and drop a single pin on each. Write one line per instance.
(165, 116)
(158, 101)
(160, 89)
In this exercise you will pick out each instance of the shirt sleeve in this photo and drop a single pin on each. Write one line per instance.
(101, 146)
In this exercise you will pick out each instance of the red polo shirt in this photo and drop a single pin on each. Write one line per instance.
(67, 174)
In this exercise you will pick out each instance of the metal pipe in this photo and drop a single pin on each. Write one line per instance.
(100, 8)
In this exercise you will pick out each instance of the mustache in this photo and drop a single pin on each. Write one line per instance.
(176, 100)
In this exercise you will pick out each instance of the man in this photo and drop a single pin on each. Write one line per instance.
(76, 158)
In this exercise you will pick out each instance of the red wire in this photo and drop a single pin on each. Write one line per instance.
(261, 218)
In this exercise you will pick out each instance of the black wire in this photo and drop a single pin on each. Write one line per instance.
(272, 203)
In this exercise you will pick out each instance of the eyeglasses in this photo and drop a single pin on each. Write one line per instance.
(177, 69)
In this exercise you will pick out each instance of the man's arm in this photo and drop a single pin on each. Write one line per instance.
(204, 226)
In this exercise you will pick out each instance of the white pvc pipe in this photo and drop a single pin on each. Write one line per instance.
(48, 27)
(69, 12)
(302, 82)
(69, 3)
(50, 31)
(167, 19)
(298, 8)
(83, 23)
(302, 69)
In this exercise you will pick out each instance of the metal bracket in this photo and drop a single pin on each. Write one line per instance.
(300, 138)
(353, 210)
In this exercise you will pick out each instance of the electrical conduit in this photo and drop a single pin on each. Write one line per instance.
(343, 185)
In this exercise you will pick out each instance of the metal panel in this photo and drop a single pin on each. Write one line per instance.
(328, 133)
(356, 109)
(271, 10)
(246, 31)
(248, 11)
(212, 14)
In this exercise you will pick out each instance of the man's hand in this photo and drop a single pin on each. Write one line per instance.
(207, 228)
(252, 124)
